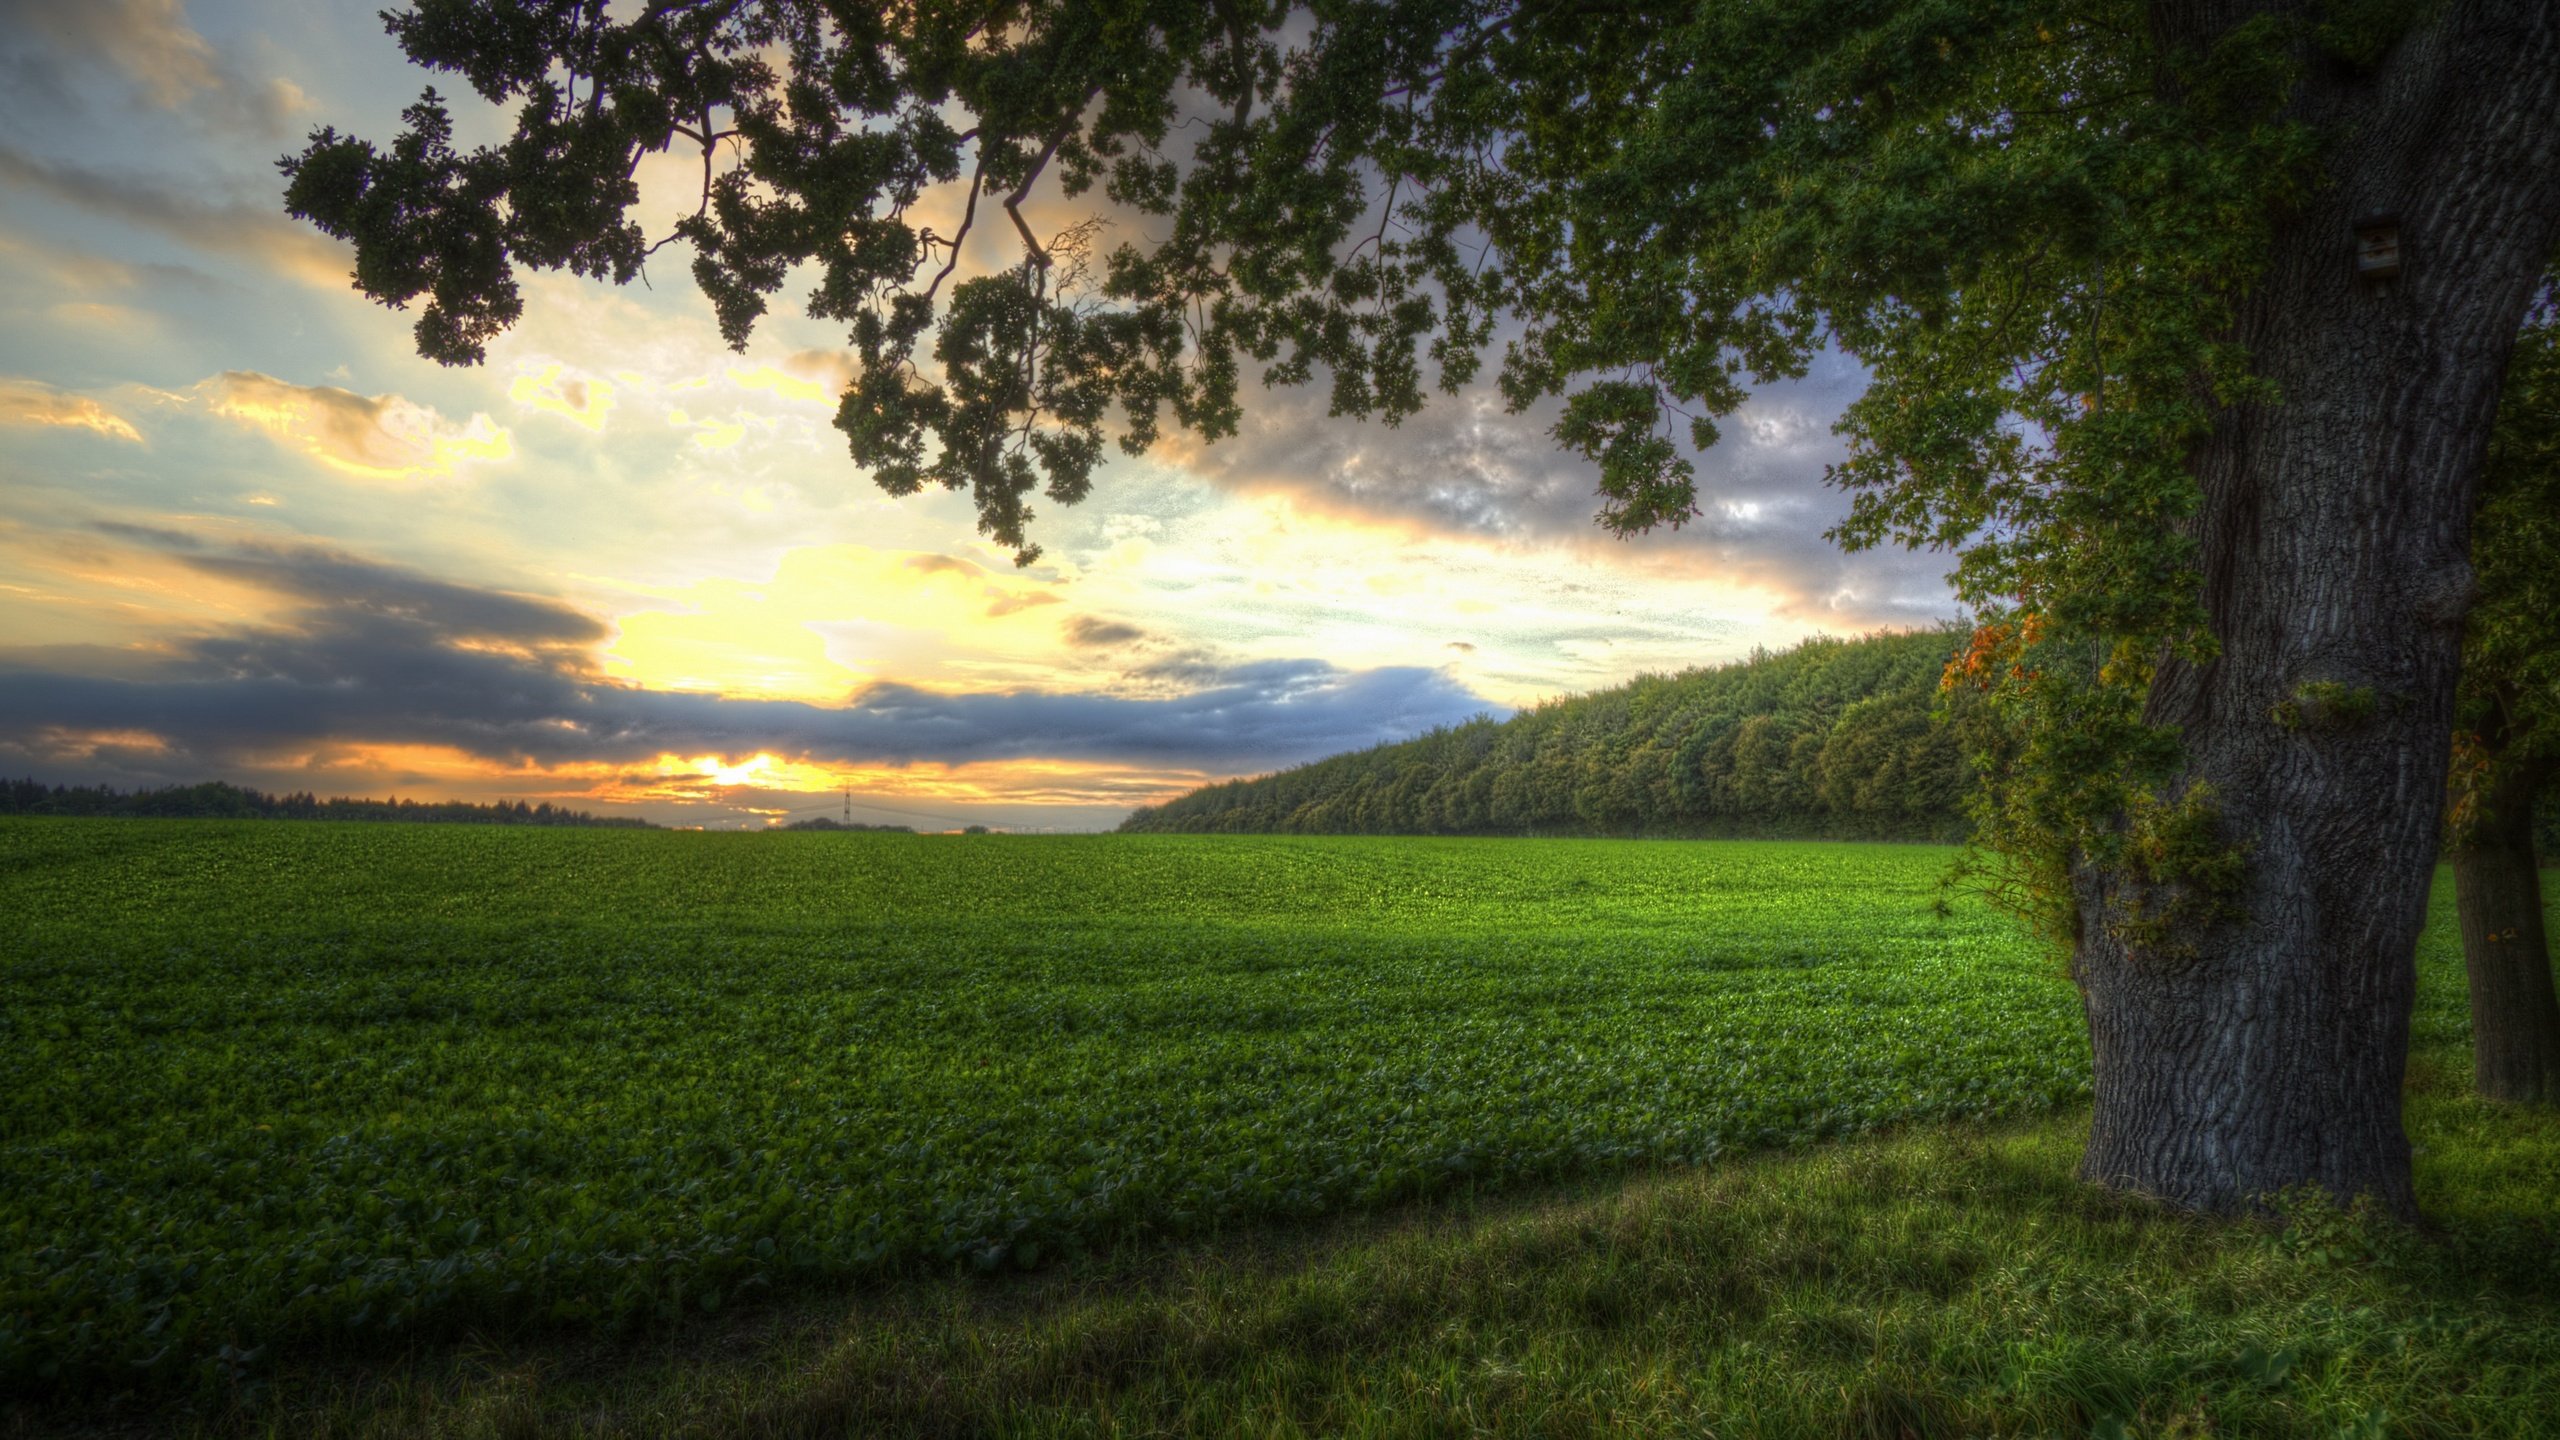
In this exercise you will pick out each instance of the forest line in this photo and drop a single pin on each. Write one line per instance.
(1833, 739)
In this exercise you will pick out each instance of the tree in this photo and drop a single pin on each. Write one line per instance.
(2507, 748)
(1843, 746)
(2099, 258)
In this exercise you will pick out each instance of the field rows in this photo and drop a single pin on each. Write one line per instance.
(296, 1085)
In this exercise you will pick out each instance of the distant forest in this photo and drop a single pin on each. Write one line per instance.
(219, 801)
(1832, 739)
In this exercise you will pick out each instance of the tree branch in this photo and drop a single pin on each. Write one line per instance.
(1013, 202)
(968, 217)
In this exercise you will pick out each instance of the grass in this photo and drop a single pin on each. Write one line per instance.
(278, 1087)
(1945, 1278)
(1953, 1280)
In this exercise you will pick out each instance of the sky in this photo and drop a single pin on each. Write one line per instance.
(247, 534)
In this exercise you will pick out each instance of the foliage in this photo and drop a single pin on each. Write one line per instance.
(217, 800)
(2324, 705)
(2509, 705)
(2186, 875)
(278, 1089)
(1830, 738)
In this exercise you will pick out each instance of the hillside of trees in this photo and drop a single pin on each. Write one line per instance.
(1831, 739)
(216, 800)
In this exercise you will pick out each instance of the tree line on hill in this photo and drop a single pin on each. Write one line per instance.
(1834, 739)
(1830, 739)
(217, 800)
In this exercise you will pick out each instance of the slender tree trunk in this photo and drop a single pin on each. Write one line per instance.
(2266, 1052)
(2515, 1018)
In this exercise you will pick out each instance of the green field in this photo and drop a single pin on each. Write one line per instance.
(281, 1088)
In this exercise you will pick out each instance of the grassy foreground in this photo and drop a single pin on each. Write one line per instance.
(282, 1089)
(1952, 1281)
(1948, 1278)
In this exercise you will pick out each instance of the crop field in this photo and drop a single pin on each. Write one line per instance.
(285, 1087)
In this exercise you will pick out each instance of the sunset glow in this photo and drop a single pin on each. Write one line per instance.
(247, 534)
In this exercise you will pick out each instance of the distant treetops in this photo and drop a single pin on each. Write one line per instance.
(1833, 738)
(821, 822)
(216, 800)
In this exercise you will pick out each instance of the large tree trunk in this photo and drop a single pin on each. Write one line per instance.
(2266, 1052)
(2515, 1018)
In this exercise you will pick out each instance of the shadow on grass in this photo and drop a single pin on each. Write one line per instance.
(1948, 1281)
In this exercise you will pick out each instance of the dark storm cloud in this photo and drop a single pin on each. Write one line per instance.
(237, 698)
(349, 586)
(385, 656)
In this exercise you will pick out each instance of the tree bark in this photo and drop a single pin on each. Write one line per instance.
(2515, 1017)
(2267, 1052)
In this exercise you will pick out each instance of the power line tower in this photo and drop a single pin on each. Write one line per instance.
(848, 804)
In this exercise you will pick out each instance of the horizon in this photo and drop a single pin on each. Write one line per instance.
(248, 533)
(842, 808)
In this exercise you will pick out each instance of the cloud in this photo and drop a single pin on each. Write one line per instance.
(152, 47)
(943, 565)
(1003, 604)
(1092, 631)
(582, 400)
(335, 582)
(381, 437)
(810, 377)
(710, 434)
(1462, 467)
(832, 370)
(258, 231)
(1000, 596)
(56, 271)
(32, 403)
(1466, 469)
(379, 655)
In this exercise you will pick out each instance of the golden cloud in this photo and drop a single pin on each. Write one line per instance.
(1002, 604)
(380, 437)
(150, 41)
(832, 618)
(552, 390)
(709, 434)
(62, 743)
(34, 404)
(782, 382)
